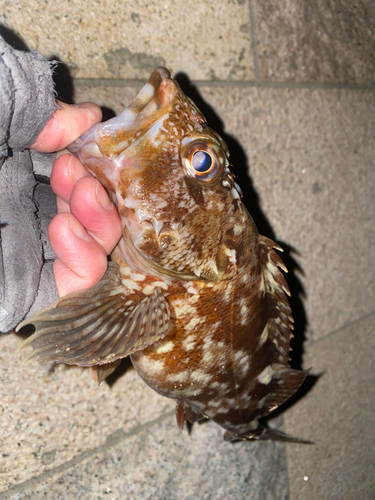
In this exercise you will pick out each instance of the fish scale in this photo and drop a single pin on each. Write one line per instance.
(193, 293)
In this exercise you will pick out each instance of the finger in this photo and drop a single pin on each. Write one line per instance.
(91, 205)
(66, 171)
(81, 261)
(65, 125)
(62, 205)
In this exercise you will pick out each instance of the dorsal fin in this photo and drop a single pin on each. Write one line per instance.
(280, 320)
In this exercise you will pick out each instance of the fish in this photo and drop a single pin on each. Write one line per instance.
(193, 293)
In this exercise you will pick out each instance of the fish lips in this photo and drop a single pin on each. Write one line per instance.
(109, 139)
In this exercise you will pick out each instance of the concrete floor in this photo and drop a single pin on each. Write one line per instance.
(291, 86)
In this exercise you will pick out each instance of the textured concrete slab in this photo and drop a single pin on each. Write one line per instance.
(310, 155)
(300, 40)
(114, 98)
(162, 463)
(338, 414)
(106, 39)
(49, 414)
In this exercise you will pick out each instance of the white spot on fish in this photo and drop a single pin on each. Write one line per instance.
(223, 408)
(245, 398)
(244, 314)
(165, 347)
(179, 377)
(232, 402)
(201, 376)
(137, 277)
(161, 284)
(189, 343)
(208, 357)
(264, 336)
(130, 284)
(266, 376)
(184, 307)
(151, 366)
(231, 254)
(200, 406)
(192, 324)
(215, 403)
(238, 229)
(239, 355)
(243, 364)
(207, 343)
(245, 278)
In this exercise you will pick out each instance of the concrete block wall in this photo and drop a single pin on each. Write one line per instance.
(290, 85)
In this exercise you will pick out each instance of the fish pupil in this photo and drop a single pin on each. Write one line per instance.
(202, 161)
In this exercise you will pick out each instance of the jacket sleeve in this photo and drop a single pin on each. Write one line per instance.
(26, 202)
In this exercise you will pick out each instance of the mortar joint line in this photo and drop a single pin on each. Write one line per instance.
(254, 40)
(103, 82)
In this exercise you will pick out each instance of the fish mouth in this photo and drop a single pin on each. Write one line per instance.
(111, 137)
(111, 146)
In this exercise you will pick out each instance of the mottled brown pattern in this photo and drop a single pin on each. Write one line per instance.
(190, 247)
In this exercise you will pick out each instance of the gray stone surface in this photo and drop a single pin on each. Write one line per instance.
(162, 463)
(115, 98)
(338, 414)
(50, 414)
(320, 41)
(107, 39)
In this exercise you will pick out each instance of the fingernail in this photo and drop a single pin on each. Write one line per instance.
(69, 169)
(103, 197)
(78, 229)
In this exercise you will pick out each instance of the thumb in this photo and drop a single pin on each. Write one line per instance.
(66, 124)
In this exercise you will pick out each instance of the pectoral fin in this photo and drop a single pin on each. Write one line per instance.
(99, 325)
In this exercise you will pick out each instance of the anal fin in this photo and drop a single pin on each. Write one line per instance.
(184, 413)
(99, 325)
(101, 372)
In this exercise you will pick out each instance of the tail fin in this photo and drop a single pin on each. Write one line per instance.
(262, 433)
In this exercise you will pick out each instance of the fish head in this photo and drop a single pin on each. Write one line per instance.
(170, 174)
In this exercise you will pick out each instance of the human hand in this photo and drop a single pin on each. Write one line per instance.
(87, 226)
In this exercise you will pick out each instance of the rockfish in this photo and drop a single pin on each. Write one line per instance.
(193, 293)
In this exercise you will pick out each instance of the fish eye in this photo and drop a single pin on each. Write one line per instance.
(202, 162)
(203, 159)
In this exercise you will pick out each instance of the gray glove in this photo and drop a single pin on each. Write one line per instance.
(27, 203)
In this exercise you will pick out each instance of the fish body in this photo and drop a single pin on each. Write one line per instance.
(193, 293)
